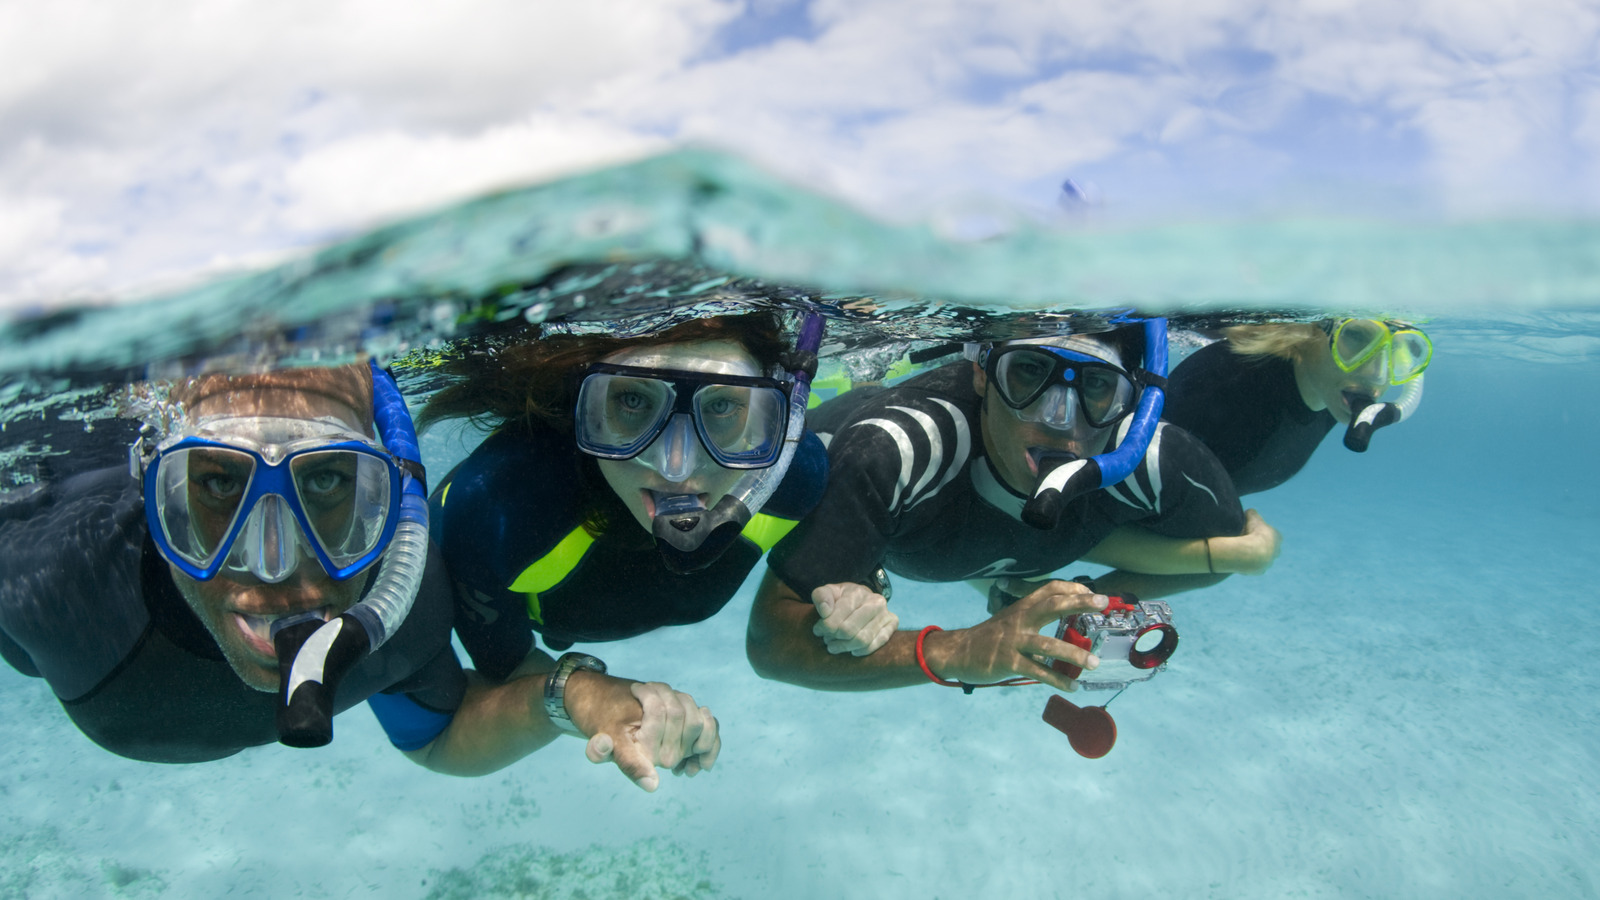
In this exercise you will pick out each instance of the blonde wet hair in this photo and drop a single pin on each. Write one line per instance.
(1293, 341)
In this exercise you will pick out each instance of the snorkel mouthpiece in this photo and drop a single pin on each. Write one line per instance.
(1062, 476)
(691, 537)
(1367, 416)
(319, 654)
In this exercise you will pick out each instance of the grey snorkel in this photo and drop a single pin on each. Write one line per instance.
(1065, 478)
(691, 537)
(313, 655)
(1367, 417)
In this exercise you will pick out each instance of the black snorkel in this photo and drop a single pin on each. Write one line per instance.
(691, 537)
(313, 655)
(1065, 477)
(1367, 416)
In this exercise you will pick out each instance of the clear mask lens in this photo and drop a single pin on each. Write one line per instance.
(623, 414)
(742, 426)
(198, 495)
(619, 416)
(1412, 351)
(1102, 393)
(1397, 356)
(1356, 341)
(346, 500)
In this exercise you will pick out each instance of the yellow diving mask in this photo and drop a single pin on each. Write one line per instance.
(1403, 351)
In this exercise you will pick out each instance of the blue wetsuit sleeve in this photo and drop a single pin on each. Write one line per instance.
(409, 724)
(801, 488)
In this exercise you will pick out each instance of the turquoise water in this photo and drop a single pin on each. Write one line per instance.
(1401, 707)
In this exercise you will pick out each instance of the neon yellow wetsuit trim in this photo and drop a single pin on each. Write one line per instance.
(765, 530)
(549, 570)
(554, 567)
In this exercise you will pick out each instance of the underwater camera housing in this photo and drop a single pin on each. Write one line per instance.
(1133, 638)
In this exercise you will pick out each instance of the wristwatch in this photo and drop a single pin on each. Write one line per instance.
(555, 699)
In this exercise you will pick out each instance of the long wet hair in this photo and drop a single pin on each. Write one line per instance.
(534, 383)
(1292, 341)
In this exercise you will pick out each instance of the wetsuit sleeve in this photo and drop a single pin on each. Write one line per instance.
(802, 486)
(845, 537)
(419, 709)
(1181, 490)
(71, 607)
(416, 708)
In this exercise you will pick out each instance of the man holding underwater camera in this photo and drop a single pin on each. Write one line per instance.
(1010, 468)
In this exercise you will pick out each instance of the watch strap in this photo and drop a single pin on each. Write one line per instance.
(555, 697)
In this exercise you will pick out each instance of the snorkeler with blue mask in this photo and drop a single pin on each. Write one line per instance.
(257, 496)
(162, 609)
(1030, 456)
(1073, 390)
(629, 483)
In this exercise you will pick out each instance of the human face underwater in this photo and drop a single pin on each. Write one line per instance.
(677, 462)
(237, 607)
(1073, 416)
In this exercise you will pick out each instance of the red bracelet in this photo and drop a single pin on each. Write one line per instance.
(922, 661)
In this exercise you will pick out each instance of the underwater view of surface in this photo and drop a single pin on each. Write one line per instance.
(1400, 707)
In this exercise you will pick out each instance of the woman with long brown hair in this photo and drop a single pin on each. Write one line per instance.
(627, 484)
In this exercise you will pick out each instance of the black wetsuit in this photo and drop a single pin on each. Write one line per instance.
(510, 522)
(910, 489)
(88, 604)
(1248, 410)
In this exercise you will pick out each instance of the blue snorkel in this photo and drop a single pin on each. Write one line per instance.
(313, 655)
(1065, 478)
(691, 537)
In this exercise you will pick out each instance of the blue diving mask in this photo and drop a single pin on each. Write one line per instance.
(256, 495)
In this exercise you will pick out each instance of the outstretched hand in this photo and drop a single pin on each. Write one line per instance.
(1008, 642)
(640, 726)
(852, 619)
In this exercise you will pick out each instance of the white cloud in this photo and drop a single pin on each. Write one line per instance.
(155, 137)
(372, 176)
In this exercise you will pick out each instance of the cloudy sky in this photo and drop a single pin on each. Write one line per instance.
(142, 141)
